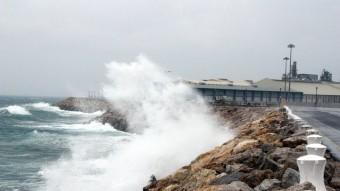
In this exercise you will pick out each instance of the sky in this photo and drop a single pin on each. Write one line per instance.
(60, 47)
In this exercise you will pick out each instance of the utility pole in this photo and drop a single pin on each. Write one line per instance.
(290, 46)
(285, 59)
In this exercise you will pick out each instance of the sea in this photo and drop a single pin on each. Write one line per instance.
(34, 134)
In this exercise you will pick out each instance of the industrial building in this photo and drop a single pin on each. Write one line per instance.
(314, 92)
(241, 92)
(306, 89)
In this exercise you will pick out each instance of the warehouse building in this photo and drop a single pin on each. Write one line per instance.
(244, 92)
(314, 92)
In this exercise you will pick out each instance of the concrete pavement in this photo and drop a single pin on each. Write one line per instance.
(327, 121)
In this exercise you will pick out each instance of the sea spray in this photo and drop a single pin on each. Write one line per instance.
(170, 125)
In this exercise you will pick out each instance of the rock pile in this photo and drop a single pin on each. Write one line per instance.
(89, 105)
(261, 157)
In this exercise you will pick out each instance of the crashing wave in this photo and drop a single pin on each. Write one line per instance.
(49, 108)
(16, 110)
(173, 125)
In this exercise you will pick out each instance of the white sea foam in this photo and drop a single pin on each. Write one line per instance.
(49, 108)
(16, 110)
(291, 114)
(173, 125)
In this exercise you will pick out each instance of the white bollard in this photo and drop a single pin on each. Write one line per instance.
(314, 139)
(305, 127)
(312, 132)
(312, 168)
(316, 149)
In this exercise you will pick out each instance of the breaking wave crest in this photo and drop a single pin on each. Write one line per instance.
(49, 108)
(16, 110)
(172, 123)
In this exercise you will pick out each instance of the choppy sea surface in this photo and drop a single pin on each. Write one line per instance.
(34, 135)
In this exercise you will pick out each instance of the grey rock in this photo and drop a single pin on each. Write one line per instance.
(115, 119)
(87, 105)
(290, 178)
(227, 179)
(292, 142)
(301, 187)
(235, 186)
(268, 184)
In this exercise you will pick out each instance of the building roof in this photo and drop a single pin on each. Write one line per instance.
(324, 88)
(222, 81)
(225, 84)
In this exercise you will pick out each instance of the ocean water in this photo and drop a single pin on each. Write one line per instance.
(43, 148)
(33, 134)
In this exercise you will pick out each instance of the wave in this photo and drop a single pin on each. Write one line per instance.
(49, 108)
(93, 126)
(172, 122)
(16, 110)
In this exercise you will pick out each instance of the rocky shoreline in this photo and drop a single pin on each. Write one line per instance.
(261, 157)
(90, 105)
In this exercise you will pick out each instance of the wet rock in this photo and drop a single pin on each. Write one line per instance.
(252, 158)
(335, 182)
(292, 142)
(290, 178)
(268, 184)
(227, 179)
(329, 171)
(255, 177)
(267, 148)
(270, 164)
(115, 119)
(87, 105)
(237, 168)
(301, 187)
(234, 186)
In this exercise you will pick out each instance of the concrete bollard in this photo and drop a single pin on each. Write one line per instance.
(314, 139)
(312, 132)
(312, 168)
(305, 127)
(316, 149)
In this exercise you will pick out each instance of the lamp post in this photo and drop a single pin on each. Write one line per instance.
(316, 96)
(291, 46)
(285, 59)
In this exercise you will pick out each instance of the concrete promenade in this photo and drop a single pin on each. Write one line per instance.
(327, 121)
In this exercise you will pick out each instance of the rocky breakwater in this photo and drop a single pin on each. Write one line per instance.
(261, 157)
(90, 105)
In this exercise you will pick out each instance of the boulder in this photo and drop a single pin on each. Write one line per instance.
(234, 186)
(227, 179)
(335, 182)
(301, 187)
(245, 145)
(268, 184)
(290, 178)
(292, 142)
(255, 177)
(115, 119)
(252, 158)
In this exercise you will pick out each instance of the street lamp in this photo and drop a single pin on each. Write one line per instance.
(286, 59)
(291, 46)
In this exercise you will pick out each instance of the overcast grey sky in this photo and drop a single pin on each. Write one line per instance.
(59, 47)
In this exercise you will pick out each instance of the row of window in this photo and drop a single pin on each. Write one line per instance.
(321, 99)
(247, 95)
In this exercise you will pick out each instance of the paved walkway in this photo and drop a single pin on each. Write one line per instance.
(326, 120)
